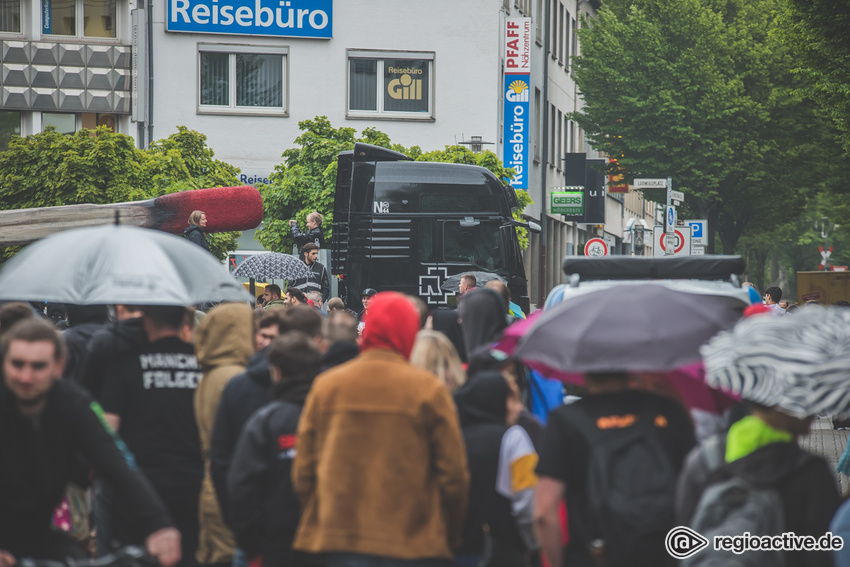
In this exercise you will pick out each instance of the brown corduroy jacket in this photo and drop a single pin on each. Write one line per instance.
(381, 465)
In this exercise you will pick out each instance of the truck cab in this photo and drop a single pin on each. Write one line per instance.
(406, 226)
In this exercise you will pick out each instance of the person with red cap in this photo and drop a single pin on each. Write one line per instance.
(381, 468)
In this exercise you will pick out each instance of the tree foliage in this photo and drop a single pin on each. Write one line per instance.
(100, 167)
(306, 179)
(821, 31)
(183, 162)
(703, 92)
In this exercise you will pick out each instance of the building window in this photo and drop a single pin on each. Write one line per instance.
(10, 125)
(538, 124)
(10, 16)
(61, 17)
(553, 28)
(537, 19)
(69, 123)
(397, 85)
(237, 79)
(574, 51)
(64, 123)
(561, 40)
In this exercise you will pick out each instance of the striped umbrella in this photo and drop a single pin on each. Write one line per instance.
(799, 363)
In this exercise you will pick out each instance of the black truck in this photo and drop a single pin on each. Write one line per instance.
(406, 226)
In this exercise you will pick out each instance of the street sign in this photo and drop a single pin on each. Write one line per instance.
(683, 241)
(595, 247)
(650, 184)
(677, 195)
(669, 218)
(699, 231)
(697, 250)
(566, 202)
(671, 242)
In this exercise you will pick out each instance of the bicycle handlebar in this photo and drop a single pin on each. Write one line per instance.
(129, 556)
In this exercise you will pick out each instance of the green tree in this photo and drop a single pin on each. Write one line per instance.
(821, 31)
(100, 167)
(183, 162)
(50, 169)
(306, 180)
(700, 90)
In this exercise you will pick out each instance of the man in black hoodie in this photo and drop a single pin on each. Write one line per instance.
(45, 424)
(264, 511)
(245, 394)
(483, 409)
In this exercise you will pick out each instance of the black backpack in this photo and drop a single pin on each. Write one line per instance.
(631, 489)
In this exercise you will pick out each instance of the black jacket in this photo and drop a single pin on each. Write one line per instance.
(313, 235)
(77, 340)
(264, 511)
(112, 341)
(36, 463)
(318, 281)
(243, 395)
(196, 234)
(804, 482)
(481, 404)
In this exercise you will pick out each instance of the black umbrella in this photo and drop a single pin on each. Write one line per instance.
(272, 265)
(641, 328)
(452, 283)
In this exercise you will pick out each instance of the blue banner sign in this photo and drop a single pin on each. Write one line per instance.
(278, 18)
(516, 138)
(46, 17)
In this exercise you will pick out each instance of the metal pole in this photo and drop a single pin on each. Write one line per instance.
(671, 230)
(541, 288)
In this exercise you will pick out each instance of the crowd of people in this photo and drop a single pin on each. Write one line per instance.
(301, 433)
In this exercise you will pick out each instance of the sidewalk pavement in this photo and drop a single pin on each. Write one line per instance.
(829, 444)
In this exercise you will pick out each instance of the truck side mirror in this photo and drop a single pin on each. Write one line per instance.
(530, 225)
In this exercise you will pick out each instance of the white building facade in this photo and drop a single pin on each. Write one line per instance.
(246, 72)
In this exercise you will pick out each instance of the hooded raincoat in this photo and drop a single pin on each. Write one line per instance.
(223, 344)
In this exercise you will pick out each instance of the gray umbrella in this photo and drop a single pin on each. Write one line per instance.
(117, 264)
(645, 327)
(799, 363)
(272, 265)
(452, 283)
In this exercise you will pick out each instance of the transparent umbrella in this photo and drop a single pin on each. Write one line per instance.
(117, 264)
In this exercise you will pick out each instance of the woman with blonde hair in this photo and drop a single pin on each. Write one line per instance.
(434, 352)
(195, 232)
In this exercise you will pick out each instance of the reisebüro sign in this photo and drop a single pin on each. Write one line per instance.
(278, 18)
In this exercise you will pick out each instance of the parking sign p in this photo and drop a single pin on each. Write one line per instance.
(699, 231)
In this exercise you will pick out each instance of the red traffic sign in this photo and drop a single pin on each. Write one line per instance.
(680, 242)
(595, 247)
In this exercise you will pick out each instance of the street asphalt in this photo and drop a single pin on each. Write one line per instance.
(829, 444)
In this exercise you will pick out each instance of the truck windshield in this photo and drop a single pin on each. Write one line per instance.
(479, 245)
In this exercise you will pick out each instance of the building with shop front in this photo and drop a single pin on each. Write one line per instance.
(65, 63)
